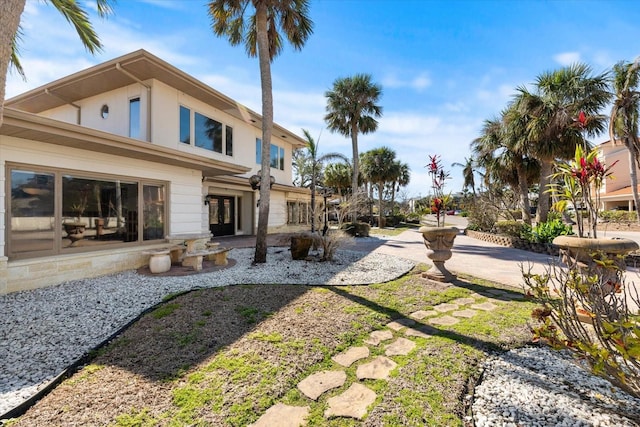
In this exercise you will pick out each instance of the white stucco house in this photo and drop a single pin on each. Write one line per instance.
(135, 150)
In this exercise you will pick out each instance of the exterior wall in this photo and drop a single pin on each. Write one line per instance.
(184, 211)
(118, 120)
(620, 170)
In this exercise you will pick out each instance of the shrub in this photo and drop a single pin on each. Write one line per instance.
(356, 229)
(331, 242)
(545, 232)
(569, 296)
(482, 215)
(413, 218)
(510, 228)
(617, 216)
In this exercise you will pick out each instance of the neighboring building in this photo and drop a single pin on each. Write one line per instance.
(616, 193)
(135, 150)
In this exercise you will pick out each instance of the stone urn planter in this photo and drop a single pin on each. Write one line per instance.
(439, 241)
(300, 245)
(579, 251)
(75, 231)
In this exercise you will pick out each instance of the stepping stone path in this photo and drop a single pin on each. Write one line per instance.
(314, 385)
(284, 416)
(376, 337)
(378, 369)
(354, 401)
(347, 358)
(400, 347)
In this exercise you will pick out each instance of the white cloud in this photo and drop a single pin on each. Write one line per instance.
(567, 58)
(418, 83)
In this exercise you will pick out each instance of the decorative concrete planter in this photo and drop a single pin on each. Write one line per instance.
(300, 245)
(159, 261)
(579, 251)
(439, 241)
(75, 231)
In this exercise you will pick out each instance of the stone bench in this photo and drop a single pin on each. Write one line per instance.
(194, 259)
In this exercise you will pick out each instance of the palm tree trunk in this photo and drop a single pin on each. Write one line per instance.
(10, 12)
(523, 186)
(313, 197)
(546, 169)
(633, 175)
(380, 215)
(267, 123)
(356, 169)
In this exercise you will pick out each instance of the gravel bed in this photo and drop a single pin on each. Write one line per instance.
(44, 331)
(536, 386)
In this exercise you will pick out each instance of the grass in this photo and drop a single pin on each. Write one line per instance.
(279, 337)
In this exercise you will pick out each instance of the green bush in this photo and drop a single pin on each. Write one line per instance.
(510, 228)
(545, 232)
(356, 229)
(482, 216)
(617, 216)
(464, 214)
(413, 218)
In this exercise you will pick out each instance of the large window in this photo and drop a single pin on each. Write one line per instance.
(298, 213)
(134, 118)
(208, 133)
(276, 155)
(58, 211)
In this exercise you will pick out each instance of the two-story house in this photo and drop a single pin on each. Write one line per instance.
(107, 161)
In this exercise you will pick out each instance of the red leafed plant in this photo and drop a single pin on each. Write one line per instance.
(438, 178)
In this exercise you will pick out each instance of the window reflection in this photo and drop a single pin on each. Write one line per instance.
(153, 212)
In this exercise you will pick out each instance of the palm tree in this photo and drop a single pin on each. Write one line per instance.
(352, 109)
(10, 12)
(552, 110)
(623, 122)
(338, 177)
(316, 166)
(261, 33)
(378, 168)
(400, 178)
(467, 174)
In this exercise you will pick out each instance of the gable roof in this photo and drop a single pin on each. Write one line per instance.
(136, 67)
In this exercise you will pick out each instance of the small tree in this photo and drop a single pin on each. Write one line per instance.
(438, 179)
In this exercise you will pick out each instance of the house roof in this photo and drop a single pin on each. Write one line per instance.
(137, 66)
(30, 126)
(624, 192)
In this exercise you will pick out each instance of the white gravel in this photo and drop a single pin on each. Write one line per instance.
(536, 386)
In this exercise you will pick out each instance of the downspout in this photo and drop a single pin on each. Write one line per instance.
(131, 76)
(73, 104)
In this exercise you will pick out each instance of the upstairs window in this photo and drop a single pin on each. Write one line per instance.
(276, 155)
(134, 118)
(208, 133)
(185, 125)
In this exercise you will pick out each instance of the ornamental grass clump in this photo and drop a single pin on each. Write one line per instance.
(587, 312)
(438, 179)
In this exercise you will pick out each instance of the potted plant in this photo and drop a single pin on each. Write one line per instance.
(438, 240)
(579, 182)
(75, 229)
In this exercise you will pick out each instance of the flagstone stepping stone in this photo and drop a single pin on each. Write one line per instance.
(396, 325)
(444, 307)
(352, 403)
(283, 415)
(346, 358)
(421, 332)
(421, 314)
(400, 347)
(444, 321)
(316, 384)
(378, 369)
(486, 306)
(466, 313)
(376, 337)
(463, 301)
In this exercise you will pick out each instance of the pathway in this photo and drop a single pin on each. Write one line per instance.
(399, 338)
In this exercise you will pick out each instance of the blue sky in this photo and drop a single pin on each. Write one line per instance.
(445, 66)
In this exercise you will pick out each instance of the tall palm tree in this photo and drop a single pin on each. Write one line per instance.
(10, 13)
(316, 166)
(378, 168)
(552, 110)
(468, 177)
(260, 25)
(338, 177)
(623, 122)
(352, 109)
(400, 178)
